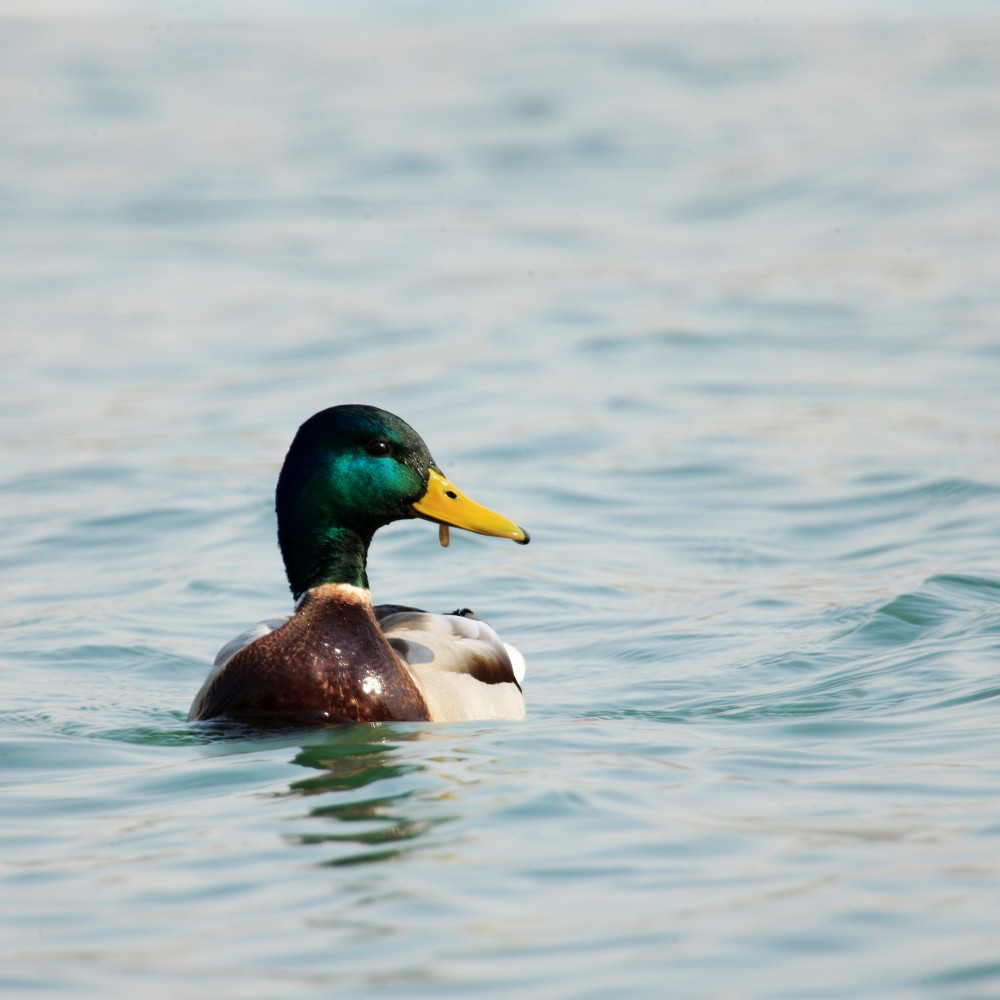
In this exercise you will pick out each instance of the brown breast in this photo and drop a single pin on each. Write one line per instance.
(330, 662)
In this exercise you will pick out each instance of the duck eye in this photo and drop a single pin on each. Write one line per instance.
(378, 448)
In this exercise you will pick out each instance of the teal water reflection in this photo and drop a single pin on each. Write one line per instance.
(353, 812)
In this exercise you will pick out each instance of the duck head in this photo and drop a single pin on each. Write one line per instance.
(349, 471)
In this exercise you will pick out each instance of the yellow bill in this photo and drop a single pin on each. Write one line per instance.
(448, 506)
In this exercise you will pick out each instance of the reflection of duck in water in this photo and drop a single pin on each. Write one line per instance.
(361, 806)
(349, 471)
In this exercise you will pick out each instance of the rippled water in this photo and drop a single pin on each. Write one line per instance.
(710, 306)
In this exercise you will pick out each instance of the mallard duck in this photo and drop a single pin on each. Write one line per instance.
(349, 471)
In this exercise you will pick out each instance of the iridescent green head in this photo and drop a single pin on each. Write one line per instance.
(349, 471)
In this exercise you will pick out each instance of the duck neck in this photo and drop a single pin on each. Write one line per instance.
(335, 555)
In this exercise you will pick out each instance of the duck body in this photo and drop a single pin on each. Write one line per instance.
(338, 658)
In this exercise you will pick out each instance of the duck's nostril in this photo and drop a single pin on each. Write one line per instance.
(451, 494)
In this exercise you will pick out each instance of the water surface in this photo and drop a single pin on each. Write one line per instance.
(709, 305)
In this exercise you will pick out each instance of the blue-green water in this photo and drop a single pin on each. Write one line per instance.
(710, 305)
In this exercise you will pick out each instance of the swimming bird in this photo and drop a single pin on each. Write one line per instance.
(350, 470)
